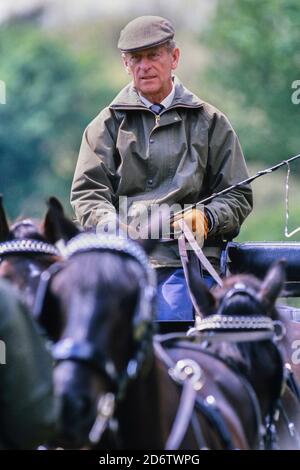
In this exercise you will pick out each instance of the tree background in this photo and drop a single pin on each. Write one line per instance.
(51, 95)
(254, 59)
(240, 55)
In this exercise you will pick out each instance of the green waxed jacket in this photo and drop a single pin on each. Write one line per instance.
(187, 154)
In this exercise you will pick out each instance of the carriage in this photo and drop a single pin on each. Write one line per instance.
(256, 258)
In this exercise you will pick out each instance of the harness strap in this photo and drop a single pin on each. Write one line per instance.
(198, 432)
(294, 388)
(43, 285)
(68, 349)
(185, 412)
(292, 384)
(186, 405)
(244, 381)
(215, 418)
(188, 235)
(187, 267)
(183, 416)
(293, 431)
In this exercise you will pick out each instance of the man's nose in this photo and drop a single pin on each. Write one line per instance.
(145, 63)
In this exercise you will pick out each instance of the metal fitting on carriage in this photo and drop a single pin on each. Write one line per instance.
(188, 369)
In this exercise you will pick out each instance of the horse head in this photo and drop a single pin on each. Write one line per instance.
(240, 317)
(25, 252)
(104, 290)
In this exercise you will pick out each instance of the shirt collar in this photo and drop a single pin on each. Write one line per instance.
(166, 102)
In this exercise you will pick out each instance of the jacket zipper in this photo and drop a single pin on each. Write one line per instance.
(157, 121)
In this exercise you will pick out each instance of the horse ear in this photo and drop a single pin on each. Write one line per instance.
(273, 282)
(4, 228)
(56, 225)
(54, 203)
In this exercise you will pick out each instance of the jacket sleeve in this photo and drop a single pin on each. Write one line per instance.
(29, 410)
(93, 192)
(226, 167)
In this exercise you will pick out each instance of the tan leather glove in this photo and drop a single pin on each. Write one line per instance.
(197, 222)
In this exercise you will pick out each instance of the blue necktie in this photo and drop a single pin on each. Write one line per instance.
(157, 108)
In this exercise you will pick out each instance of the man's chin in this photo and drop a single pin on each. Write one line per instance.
(148, 90)
(150, 84)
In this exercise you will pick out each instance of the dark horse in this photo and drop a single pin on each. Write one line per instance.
(25, 252)
(245, 295)
(28, 409)
(168, 393)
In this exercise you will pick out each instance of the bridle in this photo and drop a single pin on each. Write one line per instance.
(26, 246)
(238, 328)
(246, 328)
(69, 350)
(28, 249)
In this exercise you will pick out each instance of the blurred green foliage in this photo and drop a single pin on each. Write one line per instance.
(267, 220)
(255, 57)
(52, 93)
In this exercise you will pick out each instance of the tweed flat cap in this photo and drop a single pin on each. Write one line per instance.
(144, 32)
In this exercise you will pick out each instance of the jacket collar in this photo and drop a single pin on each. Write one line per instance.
(128, 98)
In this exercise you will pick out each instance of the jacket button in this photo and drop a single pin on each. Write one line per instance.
(150, 182)
(151, 141)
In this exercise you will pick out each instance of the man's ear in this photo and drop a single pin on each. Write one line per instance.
(125, 63)
(175, 57)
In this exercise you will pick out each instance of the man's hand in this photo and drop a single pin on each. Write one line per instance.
(197, 222)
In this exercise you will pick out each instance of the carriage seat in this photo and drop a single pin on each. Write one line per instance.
(256, 258)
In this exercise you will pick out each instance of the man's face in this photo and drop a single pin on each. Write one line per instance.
(151, 70)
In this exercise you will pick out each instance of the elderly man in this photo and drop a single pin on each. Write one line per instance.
(158, 143)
